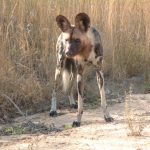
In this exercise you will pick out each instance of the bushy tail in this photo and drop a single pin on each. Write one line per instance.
(68, 74)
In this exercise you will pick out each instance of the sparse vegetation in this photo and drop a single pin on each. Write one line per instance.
(28, 128)
(134, 118)
(66, 126)
(147, 88)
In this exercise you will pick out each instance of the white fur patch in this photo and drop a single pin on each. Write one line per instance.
(80, 108)
(66, 80)
(79, 77)
(57, 72)
(65, 35)
(53, 103)
(92, 55)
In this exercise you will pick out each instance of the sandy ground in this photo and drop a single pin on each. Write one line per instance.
(94, 133)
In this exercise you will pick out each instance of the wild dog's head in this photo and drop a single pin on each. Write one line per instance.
(75, 36)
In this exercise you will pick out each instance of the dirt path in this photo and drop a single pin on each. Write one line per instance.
(94, 133)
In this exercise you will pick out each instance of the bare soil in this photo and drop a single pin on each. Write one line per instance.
(94, 133)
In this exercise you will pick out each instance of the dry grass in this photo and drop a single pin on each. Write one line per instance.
(28, 35)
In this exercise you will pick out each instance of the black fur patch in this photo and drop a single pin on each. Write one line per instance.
(98, 50)
(76, 124)
(69, 64)
(53, 114)
(75, 106)
(90, 62)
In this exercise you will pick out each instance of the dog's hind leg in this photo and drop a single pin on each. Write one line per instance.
(73, 104)
(100, 81)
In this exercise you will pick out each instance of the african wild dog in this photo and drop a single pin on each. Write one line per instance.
(76, 47)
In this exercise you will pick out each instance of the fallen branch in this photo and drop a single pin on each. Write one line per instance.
(8, 98)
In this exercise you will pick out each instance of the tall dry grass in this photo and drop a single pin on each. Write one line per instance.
(28, 34)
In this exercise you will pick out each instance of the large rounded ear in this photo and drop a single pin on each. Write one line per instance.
(63, 23)
(82, 21)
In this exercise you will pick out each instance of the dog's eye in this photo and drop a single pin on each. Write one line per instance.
(77, 40)
(67, 40)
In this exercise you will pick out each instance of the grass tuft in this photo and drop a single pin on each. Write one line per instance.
(134, 118)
